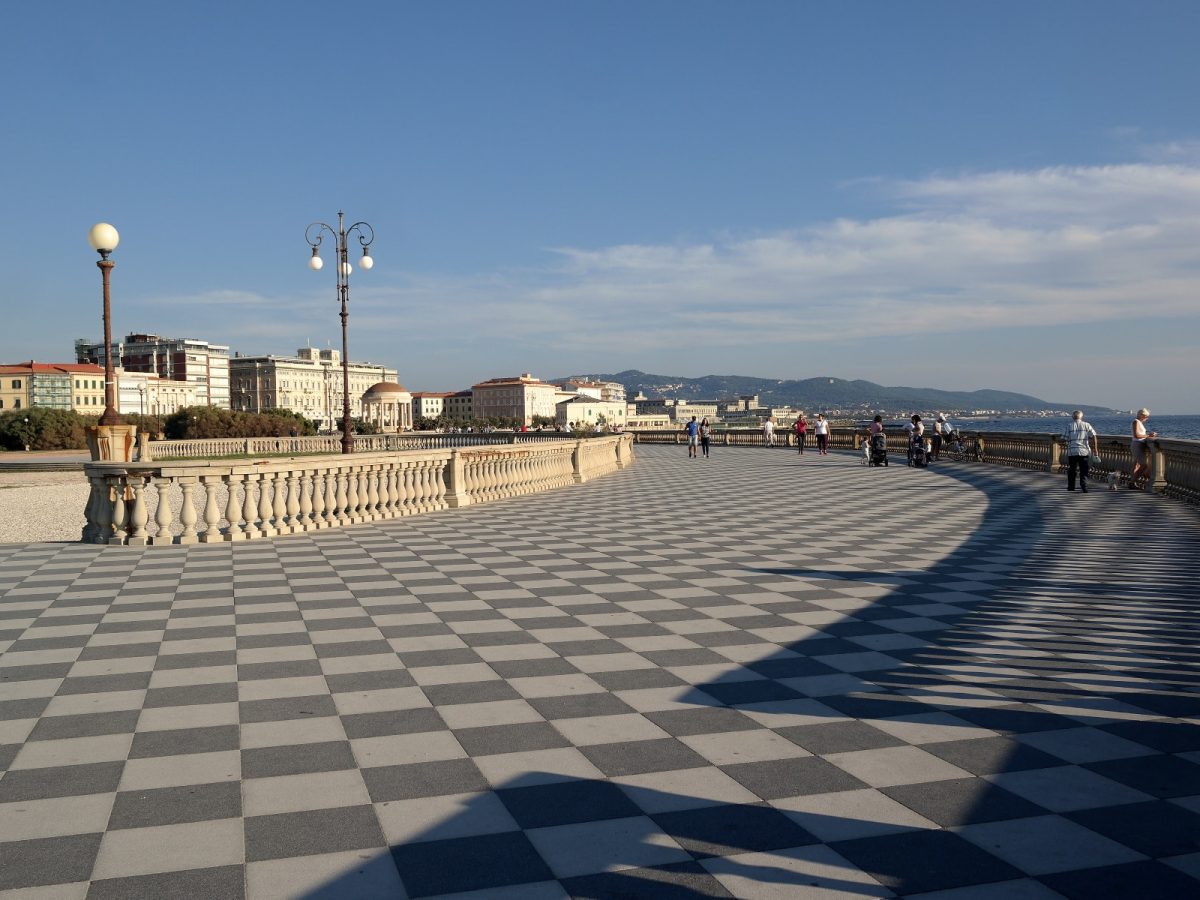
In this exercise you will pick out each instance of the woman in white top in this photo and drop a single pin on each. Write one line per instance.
(821, 427)
(1141, 460)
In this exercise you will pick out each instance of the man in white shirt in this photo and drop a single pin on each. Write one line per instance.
(1081, 444)
(768, 430)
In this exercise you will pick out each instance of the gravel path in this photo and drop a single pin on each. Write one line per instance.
(41, 506)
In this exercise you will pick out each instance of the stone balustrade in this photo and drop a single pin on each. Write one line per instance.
(196, 502)
(208, 448)
(1174, 465)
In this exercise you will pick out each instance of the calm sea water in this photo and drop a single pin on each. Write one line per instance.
(1180, 427)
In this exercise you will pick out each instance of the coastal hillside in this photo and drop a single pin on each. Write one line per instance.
(828, 393)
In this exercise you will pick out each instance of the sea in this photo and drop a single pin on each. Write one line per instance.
(1176, 427)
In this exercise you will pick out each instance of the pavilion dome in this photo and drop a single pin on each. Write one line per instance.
(381, 389)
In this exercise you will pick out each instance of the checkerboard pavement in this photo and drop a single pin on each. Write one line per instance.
(754, 676)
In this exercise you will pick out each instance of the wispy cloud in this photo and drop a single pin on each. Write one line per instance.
(962, 253)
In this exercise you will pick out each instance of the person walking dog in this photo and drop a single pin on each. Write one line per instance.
(1082, 444)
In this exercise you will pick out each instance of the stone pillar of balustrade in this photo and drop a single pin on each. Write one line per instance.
(1156, 481)
(1053, 455)
(456, 493)
(577, 463)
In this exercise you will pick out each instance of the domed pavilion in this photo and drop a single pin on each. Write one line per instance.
(388, 405)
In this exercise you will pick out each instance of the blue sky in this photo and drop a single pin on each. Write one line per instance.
(947, 194)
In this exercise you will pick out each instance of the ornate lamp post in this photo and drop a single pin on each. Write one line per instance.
(104, 239)
(365, 234)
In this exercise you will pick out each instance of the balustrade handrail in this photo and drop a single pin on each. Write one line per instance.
(156, 502)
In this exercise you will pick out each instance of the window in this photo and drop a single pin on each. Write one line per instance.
(78, 400)
(16, 384)
(17, 403)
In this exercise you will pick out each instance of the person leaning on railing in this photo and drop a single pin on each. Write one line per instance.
(1137, 444)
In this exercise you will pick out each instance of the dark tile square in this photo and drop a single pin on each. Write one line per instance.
(774, 779)
(36, 672)
(741, 693)
(1167, 737)
(497, 638)
(60, 781)
(58, 860)
(469, 864)
(733, 638)
(639, 757)
(53, 728)
(688, 657)
(636, 679)
(838, 737)
(226, 882)
(1156, 828)
(191, 695)
(1159, 776)
(384, 679)
(428, 779)
(578, 705)
(173, 805)
(681, 881)
(406, 721)
(1021, 719)
(790, 667)
(1149, 880)
(875, 706)
(912, 862)
(311, 832)
(8, 752)
(491, 739)
(180, 741)
(353, 648)
(25, 708)
(119, 651)
(419, 659)
(326, 756)
(195, 660)
(567, 802)
(533, 668)
(701, 720)
(963, 801)
(732, 828)
(283, 708)
(291, 668)
(472, 692)
(95, 684)
(286, 639)
(991, 756)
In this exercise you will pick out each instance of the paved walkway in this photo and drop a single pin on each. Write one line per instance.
(755, 676)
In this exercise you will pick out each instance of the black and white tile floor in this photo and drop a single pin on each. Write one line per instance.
(754, 676)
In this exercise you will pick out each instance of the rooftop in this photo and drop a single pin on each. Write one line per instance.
(689, 675)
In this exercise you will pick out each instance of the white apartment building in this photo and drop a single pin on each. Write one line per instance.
(520, 397)
(309, 383)
(601, 390)
(147, 394)
(585, 410)
(204, 365)
(429, 404)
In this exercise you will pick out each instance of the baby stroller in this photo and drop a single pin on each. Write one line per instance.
(917, 455)
(879, 449)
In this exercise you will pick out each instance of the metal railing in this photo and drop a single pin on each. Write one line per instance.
(1174, 464)
(189, 502)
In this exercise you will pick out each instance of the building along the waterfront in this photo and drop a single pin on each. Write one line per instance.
(521, 397)
(200, 363)
(77, 386)
(309, 383)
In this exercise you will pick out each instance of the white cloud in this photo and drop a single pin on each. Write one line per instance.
(968, 252)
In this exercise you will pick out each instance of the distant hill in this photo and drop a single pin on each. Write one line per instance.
(827, 393)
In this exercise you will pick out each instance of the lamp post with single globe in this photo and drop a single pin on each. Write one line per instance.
(142, 398)
(104, 239)
(365, 234)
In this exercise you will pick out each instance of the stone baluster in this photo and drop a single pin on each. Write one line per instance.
(291, 509)
(340, 507)
(393, 490)
(265, 507)
(318, 500)
(139, 515)
(409, 489)
(91, 511)
(104, 512)
(305, 507)
(279, 481)
(439, 469)
(331, 482)
(372, 511)
(356, 501)
(120, 510)
(233, 510)
(162, 515)
(187, 511)
(250, 510)
(212, 513)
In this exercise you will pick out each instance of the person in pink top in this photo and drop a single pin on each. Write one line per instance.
(801, 428)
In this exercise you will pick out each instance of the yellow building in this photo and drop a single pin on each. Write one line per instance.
(77, 386)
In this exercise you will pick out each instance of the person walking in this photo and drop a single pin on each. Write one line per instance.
(801, 427)
(705, 434)
(1081, 444)
(1141, 456)
(768, 430)
(693, 433)
(821, 427)
(940, 432)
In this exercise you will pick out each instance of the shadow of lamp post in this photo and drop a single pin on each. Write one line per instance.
(365, 234)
